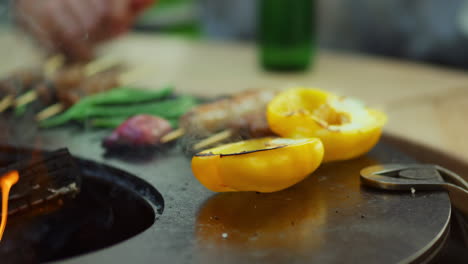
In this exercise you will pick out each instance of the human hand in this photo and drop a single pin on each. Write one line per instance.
(74, 27)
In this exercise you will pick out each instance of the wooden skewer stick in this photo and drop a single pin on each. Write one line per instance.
(26, 98)
(173, 135)
(213, 139)
(57, 108)
(6, 102)
(130, 77)
(90, 69)
(100, 65)
(50, 67)
(50, 111)
(53, 64)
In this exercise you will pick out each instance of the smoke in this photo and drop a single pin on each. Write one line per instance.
(19, 130)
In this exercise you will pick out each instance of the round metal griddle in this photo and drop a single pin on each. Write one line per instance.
(328, 218)
(111, 207)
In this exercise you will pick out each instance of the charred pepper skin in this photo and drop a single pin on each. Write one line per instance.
(262, 165)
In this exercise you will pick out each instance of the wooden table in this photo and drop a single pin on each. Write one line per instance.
(425, 103)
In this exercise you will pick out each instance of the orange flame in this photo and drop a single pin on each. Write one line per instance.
(6, 181)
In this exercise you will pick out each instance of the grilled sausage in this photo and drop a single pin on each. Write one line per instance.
(246, 110)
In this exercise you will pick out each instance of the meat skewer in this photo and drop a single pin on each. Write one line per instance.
(69, 77)
(249, 126)
(68, 95)
(242, 114)
(23, 80)
(45, 84)
(6, 102)
(69, 90)
(50, 111)
(17, 83)
(218, 137)
(51, 66)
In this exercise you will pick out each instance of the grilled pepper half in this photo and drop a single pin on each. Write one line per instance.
(263, 165)
(346, 127)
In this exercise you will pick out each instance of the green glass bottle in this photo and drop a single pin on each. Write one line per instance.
(286, 34)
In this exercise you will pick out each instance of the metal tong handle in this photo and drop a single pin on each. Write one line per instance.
(389, 177)
(422, 177)
(458, 197)
(459, 200)
(452, 176)
(458, 192)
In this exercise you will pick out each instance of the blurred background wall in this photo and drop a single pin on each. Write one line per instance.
(433, 31)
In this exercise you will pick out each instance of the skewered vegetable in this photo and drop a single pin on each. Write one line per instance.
(116, 96)
(108, 122)
(126, 95)
(109, 105)
(138, 131)
(170, 108)
(113, 122)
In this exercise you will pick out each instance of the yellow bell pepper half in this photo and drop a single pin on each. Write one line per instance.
(346, 127)
(262, 165)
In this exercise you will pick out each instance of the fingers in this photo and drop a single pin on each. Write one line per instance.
(83, 14)
(29, 17)
(40, 33)
(56, 25)
(125, 11)
(120, 16)
(102, 11)
(75, 26)
(139, 5)
(68, 33)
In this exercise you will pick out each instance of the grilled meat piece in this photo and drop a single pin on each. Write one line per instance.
(97, 83)
(253, 125)
(243, 110)
(69, 77)
(20, 81)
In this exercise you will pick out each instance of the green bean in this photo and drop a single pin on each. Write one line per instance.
(169, 109)
(123, 95)
(113, 122)
(20, 110)
(166, 109)
(110, 122)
